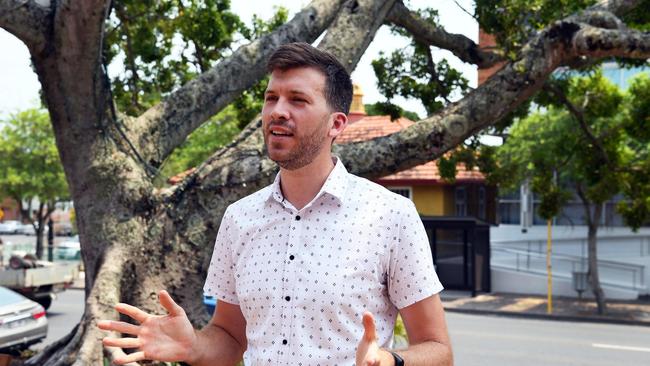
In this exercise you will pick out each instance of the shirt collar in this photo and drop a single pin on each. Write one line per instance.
(335, 184)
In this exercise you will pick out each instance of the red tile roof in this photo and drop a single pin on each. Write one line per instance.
(371, 127)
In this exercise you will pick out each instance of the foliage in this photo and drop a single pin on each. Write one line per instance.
(636, 181)
(512, 22)
(602, 158)
(392, 110)
(412, 73)
(163, 45)
(399, 331)
(29, 160)
(202, 143)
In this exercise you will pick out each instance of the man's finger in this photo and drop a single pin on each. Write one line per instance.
(369, 331)
(132, 311)
(169, 304)
(121, 327)
(122, 342)
(132, 357)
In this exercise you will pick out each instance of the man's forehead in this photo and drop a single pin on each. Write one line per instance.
(298, 80)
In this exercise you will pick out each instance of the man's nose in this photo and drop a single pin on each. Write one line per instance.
(280, 111)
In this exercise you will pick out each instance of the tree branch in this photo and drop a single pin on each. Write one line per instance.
(578, 113)
(597, 43)
(617, 7)
(354, 29)
(28, 20)
(165, 126)
(427, 33)
(243, 166)
(517, 81)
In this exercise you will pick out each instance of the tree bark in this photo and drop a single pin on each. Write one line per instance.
(165, 126)
(29, 21)
(137, 239)
(431, 34)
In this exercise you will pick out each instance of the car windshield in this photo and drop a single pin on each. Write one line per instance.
(9, 297)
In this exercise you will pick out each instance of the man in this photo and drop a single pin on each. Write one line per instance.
(312, 264)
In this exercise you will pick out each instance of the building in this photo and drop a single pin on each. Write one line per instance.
(10, 210)
(467, 196)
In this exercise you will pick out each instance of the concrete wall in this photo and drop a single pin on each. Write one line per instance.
(616, 244)
(507, 281)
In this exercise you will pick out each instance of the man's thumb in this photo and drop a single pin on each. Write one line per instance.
(369, 331)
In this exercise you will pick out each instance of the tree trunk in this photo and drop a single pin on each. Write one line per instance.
(594, 278)
(39, 225)
(593, 220)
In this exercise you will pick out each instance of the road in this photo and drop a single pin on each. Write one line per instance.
(480, 340)
(63, 315)
(489, 340)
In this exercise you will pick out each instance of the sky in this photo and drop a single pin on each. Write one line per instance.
(20, 86)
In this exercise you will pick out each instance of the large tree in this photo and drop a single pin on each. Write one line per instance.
(137, 238)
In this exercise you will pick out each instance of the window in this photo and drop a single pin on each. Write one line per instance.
(402, 191)
(461, 201)
(481, 203)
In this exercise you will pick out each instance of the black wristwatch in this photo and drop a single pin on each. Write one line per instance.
(398, 360)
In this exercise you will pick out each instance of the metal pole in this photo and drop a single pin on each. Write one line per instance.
(549, 307)
(50, 240)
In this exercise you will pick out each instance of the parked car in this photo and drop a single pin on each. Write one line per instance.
(63, 229)
(69, 249)
(22, 321)
(26, 229)
(10, 227)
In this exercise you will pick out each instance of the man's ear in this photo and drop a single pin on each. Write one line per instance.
(339, 122)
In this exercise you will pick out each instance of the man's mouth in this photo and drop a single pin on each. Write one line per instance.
(280, 130)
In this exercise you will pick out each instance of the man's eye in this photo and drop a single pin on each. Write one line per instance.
(270, 98)
(299, 100)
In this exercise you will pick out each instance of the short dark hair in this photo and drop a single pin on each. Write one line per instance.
(338, 86)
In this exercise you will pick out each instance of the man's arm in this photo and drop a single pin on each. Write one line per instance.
(426, 328)
(427, 332)
(223, 340)
(171, 337)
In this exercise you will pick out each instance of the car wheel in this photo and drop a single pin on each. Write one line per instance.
(45, 302)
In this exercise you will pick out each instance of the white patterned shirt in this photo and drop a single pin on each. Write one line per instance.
(303, 278)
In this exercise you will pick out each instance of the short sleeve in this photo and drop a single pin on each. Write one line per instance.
(411, 275)
(220, 281)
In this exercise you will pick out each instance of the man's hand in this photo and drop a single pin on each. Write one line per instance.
(368, 352)
(167, 338)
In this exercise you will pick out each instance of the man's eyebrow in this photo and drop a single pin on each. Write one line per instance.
(299, 92)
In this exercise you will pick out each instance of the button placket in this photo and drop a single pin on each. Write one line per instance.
(289, 282)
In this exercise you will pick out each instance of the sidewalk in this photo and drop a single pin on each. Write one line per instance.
(635, 312)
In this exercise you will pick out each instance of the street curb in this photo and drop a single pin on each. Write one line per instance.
(582, 319)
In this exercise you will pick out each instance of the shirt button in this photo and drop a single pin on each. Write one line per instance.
(287, 298)
(297, 217)
(284, 341)
(292, 257)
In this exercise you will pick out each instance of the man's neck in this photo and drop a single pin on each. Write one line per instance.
(300, 186)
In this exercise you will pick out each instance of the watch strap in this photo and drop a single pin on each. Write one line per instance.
(399, 361)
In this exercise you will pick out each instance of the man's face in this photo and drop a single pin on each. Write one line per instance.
(296, 118)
